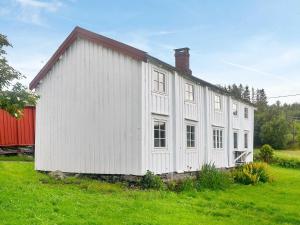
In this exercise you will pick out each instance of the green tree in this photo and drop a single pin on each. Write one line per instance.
(13, 95)
(275, 132)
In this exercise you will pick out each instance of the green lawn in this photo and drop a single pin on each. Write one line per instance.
(27, 197)
(288, 153)
(20, 157)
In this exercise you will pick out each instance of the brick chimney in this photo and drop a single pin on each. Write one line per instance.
(182, 60)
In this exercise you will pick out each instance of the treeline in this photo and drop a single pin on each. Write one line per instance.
(277, 124)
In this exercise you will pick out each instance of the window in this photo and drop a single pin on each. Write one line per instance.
(246, 140)
(234, 109)
(218, 138)
(159, 134)
(217, 102)
(159, 82)
(189, 92)
(190, 136)
(235, 140)
(246, 112)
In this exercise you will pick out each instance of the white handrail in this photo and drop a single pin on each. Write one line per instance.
(241, 155)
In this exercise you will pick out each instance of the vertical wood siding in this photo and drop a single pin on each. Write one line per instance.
(17, 132)
(89, 113)
(96, 113)
(156, 106)
(173, 108)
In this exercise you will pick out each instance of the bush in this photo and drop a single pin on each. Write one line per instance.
(287, 162)
(151, 181)
(251, 173)
(266, 153)
(184, 185)
(211, 178)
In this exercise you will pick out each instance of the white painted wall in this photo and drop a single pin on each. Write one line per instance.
(177, 112)
(96, 113)
(89, 113)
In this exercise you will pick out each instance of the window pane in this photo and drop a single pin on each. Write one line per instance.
(155, 85)
(188, 136)
(186, 95)
(192, 143)
(214, 138)
(192, 136)
(156, 125)
(162, 126)
(189, 128)
(162, 134)
(193, 129)
(156, 142)
(246, 112)
(161, 77)
(162, 142)
(161, 87)
(234, 109)
(156, 134)
(235, 145)
(246, 140)
(155, 76)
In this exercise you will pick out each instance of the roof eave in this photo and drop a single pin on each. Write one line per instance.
(79, 32)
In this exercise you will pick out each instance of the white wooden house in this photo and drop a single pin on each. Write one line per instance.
(108, 108)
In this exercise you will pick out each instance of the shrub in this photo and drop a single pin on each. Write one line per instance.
(211, 178)
(251, 173)
(287, 162)
(151, 181)
(183, 185)
(266, 153)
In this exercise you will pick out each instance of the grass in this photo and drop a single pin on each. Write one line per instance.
(19, 157)
(288, 153)
(28, 197)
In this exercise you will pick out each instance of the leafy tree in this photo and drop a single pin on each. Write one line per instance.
(275, 132)
(261, 98)
(13, 95)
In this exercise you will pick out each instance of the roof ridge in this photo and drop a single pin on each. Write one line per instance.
(79, 32)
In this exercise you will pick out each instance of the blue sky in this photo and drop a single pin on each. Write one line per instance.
(249, 42)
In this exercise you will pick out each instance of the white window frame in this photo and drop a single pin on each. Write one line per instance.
(237, 139)
(246, 140)
(218, 138)
(160, 120)
(246, 112)
(235, 111)
(218, 102)
(189, 93)
(186, 135)
(158, 80)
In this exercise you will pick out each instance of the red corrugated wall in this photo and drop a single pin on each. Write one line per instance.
(17, 132)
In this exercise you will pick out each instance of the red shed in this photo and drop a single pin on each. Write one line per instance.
(17, 132)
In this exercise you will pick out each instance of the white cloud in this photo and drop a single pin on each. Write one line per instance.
(49, 6)
(30, 11)
(261, 61)
(251, 69)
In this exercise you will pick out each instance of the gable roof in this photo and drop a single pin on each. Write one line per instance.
(135, 53)
(79, 32)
